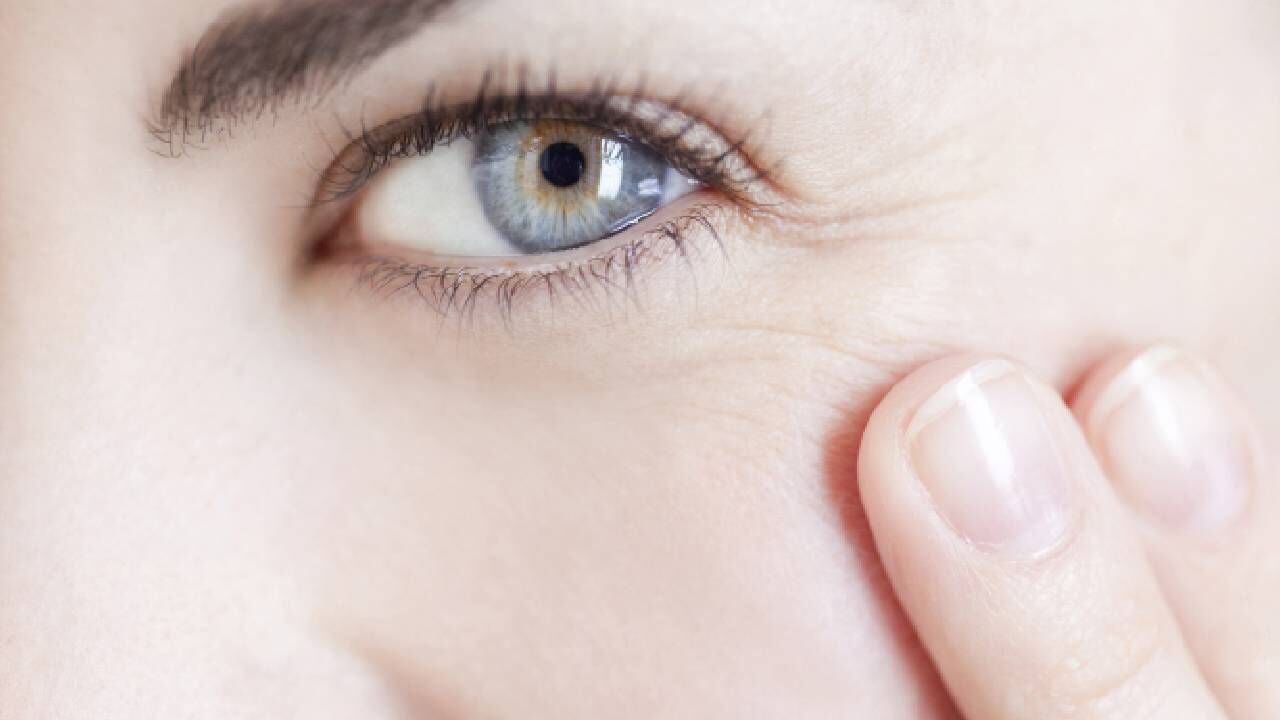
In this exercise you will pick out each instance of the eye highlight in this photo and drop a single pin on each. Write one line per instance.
(555, 185)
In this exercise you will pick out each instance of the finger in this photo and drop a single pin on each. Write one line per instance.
(1012, 557)
(1180, 450)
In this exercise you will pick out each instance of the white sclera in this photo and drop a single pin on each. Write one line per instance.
(429, 204)
(452, 203)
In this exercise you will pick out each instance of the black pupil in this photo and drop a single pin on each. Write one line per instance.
(563, 164)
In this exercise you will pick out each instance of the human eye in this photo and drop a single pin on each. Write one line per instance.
(502, 195)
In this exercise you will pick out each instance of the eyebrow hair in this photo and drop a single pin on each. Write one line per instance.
(256, 59)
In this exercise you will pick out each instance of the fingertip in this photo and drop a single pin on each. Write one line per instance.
(1172, 437)
(975, 441)
(991, 515)
(883, 448)
(1102, 387)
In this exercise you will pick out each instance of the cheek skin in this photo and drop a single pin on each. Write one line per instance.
(631, 562)
(610, 507)
(616, 460)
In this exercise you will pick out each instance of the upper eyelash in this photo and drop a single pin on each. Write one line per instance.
(691, 145)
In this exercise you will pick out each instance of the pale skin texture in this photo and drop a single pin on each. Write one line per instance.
(231, 486)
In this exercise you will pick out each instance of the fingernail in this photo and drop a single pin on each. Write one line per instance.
(1172, 443)
(989, 459)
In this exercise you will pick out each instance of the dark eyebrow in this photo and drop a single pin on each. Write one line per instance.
(256, 59)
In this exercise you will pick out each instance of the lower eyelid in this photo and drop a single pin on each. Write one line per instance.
(702, 203)
(506, 289)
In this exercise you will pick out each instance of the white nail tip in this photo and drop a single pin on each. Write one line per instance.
(1140, 371)
(957, 392)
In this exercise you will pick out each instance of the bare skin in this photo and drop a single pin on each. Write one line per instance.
(238, 482)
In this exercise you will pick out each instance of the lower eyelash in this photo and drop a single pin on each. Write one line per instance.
(460, 292)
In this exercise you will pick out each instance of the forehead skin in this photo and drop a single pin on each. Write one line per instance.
(230, 488)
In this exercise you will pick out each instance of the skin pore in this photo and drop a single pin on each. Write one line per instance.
(238, 481)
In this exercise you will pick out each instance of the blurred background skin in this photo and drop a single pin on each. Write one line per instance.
(230, 487)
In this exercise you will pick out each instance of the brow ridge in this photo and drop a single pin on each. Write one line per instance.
(256, 59)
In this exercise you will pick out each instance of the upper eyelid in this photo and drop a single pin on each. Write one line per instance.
(667, 127)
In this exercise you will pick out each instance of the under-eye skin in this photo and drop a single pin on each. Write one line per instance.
(502, 198)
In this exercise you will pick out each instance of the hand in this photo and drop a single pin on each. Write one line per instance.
(1114, 559)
